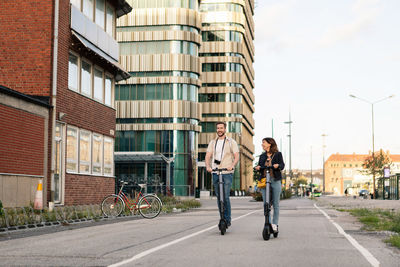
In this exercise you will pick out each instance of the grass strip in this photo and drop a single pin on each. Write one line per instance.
(379, 220)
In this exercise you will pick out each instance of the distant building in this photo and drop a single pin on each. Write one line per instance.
(343, 171)
(64, 54)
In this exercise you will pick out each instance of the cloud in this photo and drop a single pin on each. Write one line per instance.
(269, 19)
(366, 13)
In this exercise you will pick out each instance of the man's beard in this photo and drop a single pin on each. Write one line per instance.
(220, 134)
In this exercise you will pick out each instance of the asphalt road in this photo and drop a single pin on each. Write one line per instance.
(307, 237)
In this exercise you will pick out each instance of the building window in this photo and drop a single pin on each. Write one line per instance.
(84, 151)
(93, 152)
(73, 72)
(108, 156)
(86, 76)
(110, 18)
(87, 8)
(222, 36)
(98, 85)
(72, 149)
(210, 67)
(97, 154)
(100, 14)
(159, 47)
(95, 84)
(108, 91)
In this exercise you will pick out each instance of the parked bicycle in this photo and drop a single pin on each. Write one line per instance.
(148, 205)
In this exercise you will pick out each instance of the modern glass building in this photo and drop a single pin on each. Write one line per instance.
(157, 108)
(226, 93)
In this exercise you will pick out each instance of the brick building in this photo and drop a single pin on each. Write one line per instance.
(64, 54)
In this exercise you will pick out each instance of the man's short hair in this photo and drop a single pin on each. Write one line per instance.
(221, 122)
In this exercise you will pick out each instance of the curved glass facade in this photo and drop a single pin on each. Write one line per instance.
(158, 28)
(160, 91)
(190, 4)
(179, 146)
(231, 126)
(209, 67)
(222, 36)
(165, 74)
(229, 97)
(212, 7)
(159, 47)
(225, 22)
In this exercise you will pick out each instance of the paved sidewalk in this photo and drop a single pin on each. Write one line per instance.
(351, 203)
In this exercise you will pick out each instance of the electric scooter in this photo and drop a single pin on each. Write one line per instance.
(223, 224)
(267, 231)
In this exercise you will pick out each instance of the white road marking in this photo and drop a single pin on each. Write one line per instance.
(370, 258)
(149, 251)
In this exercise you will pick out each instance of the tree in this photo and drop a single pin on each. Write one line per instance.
(300, 181)
(373, 165)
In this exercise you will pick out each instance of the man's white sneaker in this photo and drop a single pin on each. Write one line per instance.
(274, 228)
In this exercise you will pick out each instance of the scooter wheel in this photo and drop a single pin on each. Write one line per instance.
(222, 227)
(266, 233)
(275, 235)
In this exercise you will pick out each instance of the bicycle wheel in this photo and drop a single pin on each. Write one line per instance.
(112, 206)
(149, 206)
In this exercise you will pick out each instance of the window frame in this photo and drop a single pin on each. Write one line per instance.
(68, 160)
(103, 81)
(101, 155)
(112, 93)
(111, 166)
(91, 77)
(89, 150)
(78, 74)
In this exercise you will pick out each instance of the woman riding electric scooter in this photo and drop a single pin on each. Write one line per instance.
(273, 159)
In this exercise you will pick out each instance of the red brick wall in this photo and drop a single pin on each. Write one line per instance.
(84, 113)
(21, 142)
(26, 46)
(80, 189)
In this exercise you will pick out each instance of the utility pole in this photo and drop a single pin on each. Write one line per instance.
(323, 161)
(311, 183)
(290, 145)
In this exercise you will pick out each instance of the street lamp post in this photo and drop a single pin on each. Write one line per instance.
(290, 146)
(323, 161)
(373, 130)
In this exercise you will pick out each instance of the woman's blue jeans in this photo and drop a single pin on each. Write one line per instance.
(227, 188)
(276, 188)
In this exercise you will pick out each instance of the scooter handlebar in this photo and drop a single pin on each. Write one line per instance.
(219, 170)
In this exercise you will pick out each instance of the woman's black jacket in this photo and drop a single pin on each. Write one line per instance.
(276, 159)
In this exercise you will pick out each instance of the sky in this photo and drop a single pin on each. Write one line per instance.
(310, 55)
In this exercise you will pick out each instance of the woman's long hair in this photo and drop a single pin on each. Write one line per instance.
(273, 148)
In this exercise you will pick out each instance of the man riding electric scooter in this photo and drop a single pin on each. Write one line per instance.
(221, 158)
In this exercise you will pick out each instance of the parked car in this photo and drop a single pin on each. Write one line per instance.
(364, 193)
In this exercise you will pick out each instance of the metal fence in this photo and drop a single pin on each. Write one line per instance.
(388, 188)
